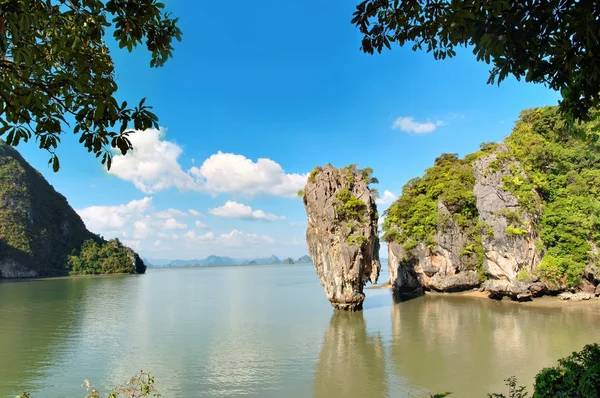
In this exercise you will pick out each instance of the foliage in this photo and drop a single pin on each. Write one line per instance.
(524, 276)
(514, 391)
(55, 65)
(549, 42)
(312, 177)
(415, 216)
(555, 178)
(349, 207)
(140, 385)
(560, 175)
(110, 257)
(355, 239)
(560, 270)
(300, 193)
(577, 375)
(38, 228)
(511, 230)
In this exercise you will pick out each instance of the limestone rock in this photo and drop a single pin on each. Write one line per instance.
(519, 291)
(505, 255)
(38, 227)
(579, 296)
(342, 233)
(441, 268)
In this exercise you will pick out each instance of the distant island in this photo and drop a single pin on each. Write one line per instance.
(213, 260)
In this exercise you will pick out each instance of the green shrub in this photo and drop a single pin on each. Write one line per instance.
(561, 270)
(312, 177)
(104, 258)
(349, 207)
(300, 193)
(511, 230)
(355, 240)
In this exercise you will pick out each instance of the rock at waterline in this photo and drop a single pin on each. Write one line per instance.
(342, 233)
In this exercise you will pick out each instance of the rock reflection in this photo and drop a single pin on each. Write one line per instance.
(469, 346)
(351, 362)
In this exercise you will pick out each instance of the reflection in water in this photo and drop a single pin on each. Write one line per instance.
(351, 362)
(469, 346)
(267, 332)
(37, 322)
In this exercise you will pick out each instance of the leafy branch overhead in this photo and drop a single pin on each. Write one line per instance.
(57, 74)
(553, 42)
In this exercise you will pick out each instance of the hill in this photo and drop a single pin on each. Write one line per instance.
(41, 235)
(518, 218)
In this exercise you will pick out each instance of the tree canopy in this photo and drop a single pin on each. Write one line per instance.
(554, 42)
(57, 74)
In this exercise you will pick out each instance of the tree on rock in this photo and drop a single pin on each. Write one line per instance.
(553, 42)
(56, 71)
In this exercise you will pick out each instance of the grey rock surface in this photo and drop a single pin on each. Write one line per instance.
(345, 252)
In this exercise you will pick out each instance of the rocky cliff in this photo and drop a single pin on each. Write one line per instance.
(38, 229)
(342, 232)
(517, 219)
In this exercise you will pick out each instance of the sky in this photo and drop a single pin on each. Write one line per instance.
(256, 96)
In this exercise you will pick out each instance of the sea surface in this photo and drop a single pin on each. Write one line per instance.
(268, 331)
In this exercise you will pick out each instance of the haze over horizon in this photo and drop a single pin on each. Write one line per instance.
(244, 121)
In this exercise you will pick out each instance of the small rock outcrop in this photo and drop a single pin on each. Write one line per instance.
(342, 232)
(39, 231)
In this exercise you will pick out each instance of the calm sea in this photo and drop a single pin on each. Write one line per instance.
(268, 331)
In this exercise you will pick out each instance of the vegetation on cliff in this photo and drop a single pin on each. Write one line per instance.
(555, 177)
(110, 257)
(37, 226)
(39, 231)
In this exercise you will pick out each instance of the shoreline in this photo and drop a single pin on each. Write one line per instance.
(545, 301)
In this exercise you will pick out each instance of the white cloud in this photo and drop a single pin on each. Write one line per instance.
(201, 225)
(227, 172)
(233, 209)
(409, 125)
(112, 218)
(386, 199)
(141, 226)
(153, 166)
(194, 213)
(191, 235)
(170, 213)
(238, 238)
(172, 223)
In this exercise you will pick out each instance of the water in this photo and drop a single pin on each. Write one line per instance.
(268, 331)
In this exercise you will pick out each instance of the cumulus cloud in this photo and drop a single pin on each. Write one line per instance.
(410, 125)
(169, 213)
(192, 235)
(154, 166)
(233, 209)
(194, 213)
(238, 238)
(144, 228)
(386, 199)
(111, 218)
(172, 223)
(227, 172)
(200, 225)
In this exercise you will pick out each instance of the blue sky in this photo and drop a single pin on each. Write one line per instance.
(284, 82)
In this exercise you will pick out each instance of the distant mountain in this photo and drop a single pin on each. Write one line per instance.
(270, 260)
(222, 260)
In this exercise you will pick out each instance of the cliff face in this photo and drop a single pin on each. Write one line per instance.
(38, 228)
(517, 219)
(342, 233)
